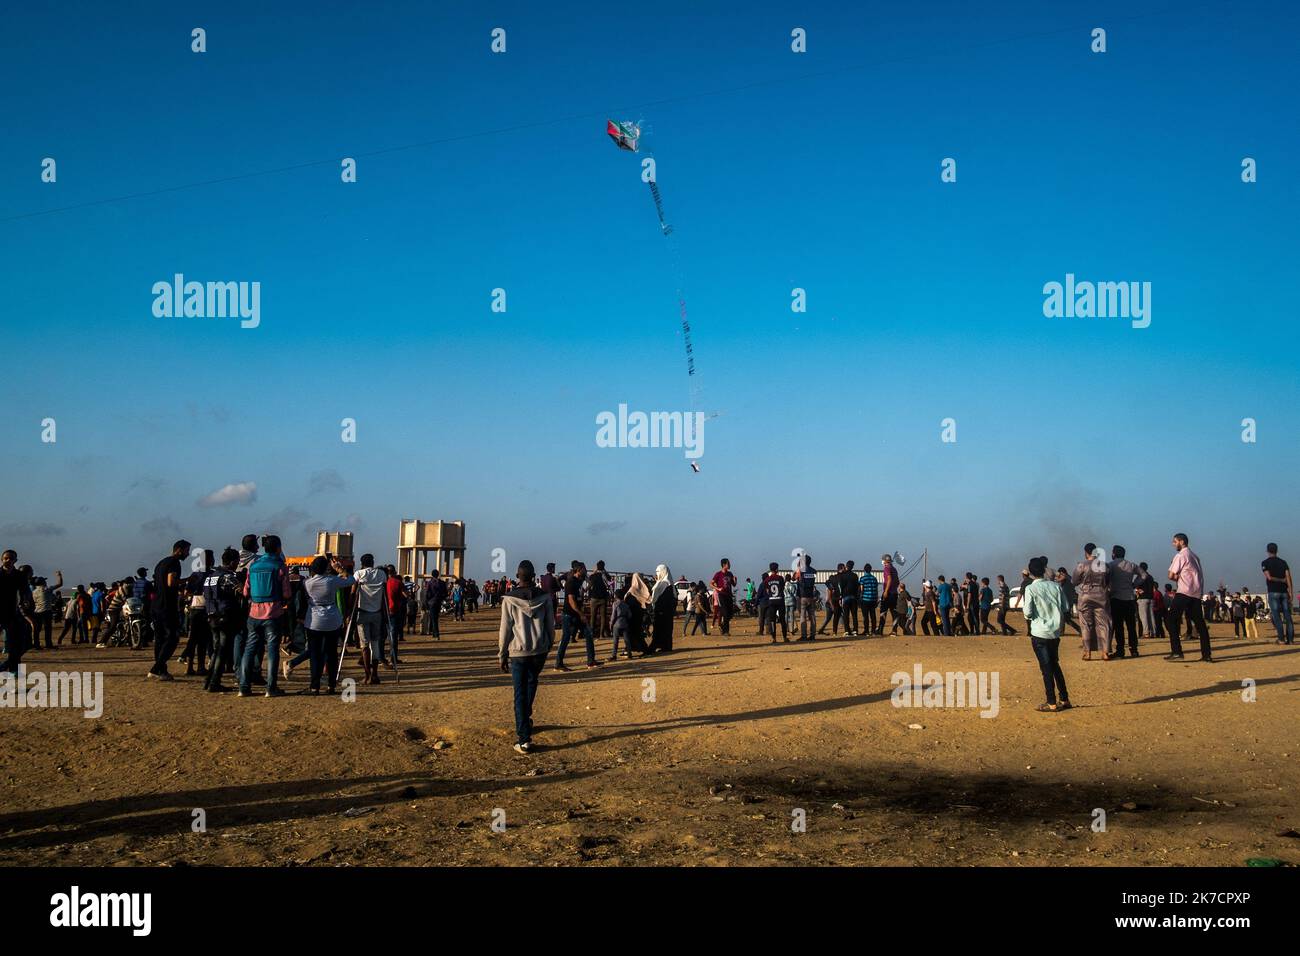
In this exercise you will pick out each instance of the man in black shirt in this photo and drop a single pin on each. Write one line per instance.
(771, 603)
(1143, 590)
(167, 609)
(1277, 575)
(195, 654)
(972, 603)
(598, 589)
(575, 618)
(849, 587)
(15, 598)
(807, 591)
(832, 602)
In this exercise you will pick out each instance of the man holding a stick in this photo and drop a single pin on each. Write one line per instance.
(372, 597)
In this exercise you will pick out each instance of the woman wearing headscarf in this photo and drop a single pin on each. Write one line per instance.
(663, 605)
(638, 599)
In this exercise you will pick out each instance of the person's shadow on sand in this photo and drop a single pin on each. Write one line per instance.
(710, 720)
(1221, 687)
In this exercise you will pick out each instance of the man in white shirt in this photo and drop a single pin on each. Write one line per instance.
(371, 626)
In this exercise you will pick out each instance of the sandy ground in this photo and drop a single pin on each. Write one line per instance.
(739, 736)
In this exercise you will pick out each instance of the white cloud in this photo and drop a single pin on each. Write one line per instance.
(238, 493)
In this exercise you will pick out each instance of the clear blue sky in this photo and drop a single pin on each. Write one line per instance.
(818, 170)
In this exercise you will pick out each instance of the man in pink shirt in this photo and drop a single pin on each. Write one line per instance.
(268, 591)
(1186, 572)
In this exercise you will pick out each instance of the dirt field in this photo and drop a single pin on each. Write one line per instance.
(739, 736)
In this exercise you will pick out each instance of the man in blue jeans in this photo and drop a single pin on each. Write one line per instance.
(574, 618)
(167, 609)
(268, 592)
(868, 598)
(435, 592)
(1045, 608)
(945, 606)
(527, 630)
(1277, 575)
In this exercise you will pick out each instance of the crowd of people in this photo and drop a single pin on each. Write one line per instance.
(1105, 600)
(255, 617)
(239, 616)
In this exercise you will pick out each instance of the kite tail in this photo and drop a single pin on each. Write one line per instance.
(659, 208)
(693, 380)
(686, 334)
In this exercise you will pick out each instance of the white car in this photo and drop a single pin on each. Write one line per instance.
(1014, 600)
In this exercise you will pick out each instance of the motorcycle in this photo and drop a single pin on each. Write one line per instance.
(133, 629)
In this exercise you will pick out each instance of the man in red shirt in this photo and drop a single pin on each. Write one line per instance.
(396, 610)
(723, 583)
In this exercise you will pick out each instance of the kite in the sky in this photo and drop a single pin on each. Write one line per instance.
(625, 133)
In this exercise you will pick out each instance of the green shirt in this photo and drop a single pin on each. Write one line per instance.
(1045, 609)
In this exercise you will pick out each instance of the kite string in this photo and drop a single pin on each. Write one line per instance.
(693, 389)
(693, 380)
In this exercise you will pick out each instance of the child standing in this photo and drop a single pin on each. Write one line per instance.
(699, 609)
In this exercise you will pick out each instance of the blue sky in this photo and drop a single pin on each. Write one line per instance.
(778, 170)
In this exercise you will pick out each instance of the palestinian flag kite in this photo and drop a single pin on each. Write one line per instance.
(625, 134)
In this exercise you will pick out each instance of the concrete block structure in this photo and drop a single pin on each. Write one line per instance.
(418, 541)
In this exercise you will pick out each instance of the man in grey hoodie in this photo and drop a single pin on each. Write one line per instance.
(527, 631)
